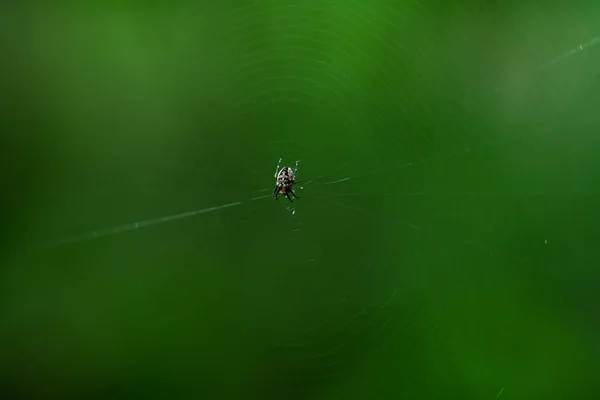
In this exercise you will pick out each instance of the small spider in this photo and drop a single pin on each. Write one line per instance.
(285, 180)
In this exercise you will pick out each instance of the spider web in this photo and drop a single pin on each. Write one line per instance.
(372, 275)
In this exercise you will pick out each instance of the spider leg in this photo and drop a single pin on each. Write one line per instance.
(276, 192)
(294, 194)
(287, 194)
(277, 169)
(296, 169)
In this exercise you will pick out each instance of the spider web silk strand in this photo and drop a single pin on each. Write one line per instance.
(140, 224)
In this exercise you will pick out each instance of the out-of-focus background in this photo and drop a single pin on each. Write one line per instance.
(443, 245)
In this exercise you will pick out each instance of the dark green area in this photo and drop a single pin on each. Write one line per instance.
(444, 245)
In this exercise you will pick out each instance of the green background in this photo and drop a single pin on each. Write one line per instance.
(444, 245)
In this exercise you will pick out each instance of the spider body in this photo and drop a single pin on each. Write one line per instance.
(285, 178)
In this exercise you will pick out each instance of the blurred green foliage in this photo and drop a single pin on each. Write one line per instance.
(443, 245)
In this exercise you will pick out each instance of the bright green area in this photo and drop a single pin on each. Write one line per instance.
(444, 245)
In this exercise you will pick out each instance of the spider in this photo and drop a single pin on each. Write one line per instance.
(285, 179)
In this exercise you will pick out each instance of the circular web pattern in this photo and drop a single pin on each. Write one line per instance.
(351, 70)
(389, 207)
(353, 83)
